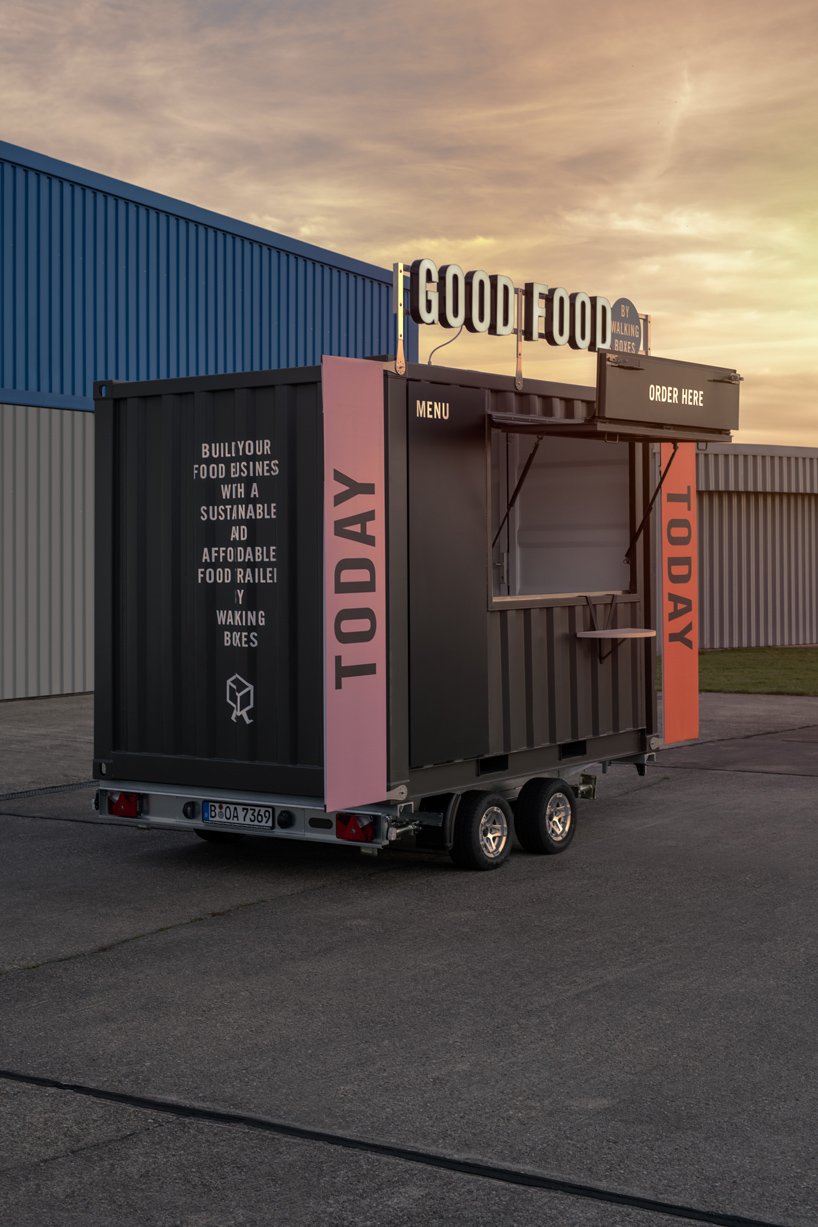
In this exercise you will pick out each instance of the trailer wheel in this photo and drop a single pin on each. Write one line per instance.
(482, 831)
(220, 837)
(545, 816)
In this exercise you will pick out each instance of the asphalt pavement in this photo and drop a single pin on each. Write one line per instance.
(285, 1034)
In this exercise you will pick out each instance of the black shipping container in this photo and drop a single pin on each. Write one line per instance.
(335, 602)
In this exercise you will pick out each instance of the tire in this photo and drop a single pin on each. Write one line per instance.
(482, 831)
(545, 816)
(220, 837)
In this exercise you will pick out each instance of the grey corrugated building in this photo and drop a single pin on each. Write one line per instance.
(758, 546)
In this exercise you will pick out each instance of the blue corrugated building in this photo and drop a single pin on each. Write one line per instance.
(103, 280)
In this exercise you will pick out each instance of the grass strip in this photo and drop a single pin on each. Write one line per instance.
(757, 671)
(760, 671)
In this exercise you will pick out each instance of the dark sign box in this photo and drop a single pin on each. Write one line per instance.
(667, 393)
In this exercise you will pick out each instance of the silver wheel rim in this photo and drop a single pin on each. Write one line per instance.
(558, 817)
(493, 832)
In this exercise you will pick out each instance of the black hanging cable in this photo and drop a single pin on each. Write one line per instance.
(518, 487)
(443, 345)
(646, 516)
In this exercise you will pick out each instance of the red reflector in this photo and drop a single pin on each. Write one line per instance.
(123, 804)
(354, 827)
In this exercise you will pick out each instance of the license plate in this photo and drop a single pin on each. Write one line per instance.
(232, 814)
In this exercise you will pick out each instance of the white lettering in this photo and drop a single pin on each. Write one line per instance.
(257, 575)
(254, 468)
(668, 394)
(240, 639)
(213, 472)
(238, 511)
(215, 575)
(241, 617)
(237, 447)
(239, 553)
(485, 303)
(432, 409)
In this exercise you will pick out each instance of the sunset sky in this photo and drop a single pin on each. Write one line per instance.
(666, 153)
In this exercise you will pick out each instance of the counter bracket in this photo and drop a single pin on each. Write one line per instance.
(613, 636)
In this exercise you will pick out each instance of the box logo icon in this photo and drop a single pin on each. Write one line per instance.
(240, 697)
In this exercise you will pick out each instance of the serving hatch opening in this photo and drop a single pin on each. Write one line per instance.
(560, 515)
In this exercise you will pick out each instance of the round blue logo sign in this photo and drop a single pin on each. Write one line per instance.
(626, 328)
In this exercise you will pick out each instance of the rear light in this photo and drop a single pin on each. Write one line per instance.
(356, 828)
(124, 804)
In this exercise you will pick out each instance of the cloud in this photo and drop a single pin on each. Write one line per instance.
(664, 153)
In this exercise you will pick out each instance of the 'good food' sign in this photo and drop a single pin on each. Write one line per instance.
(481, 302)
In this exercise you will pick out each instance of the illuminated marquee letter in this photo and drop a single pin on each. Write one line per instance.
(478, 301)
(535, 293)
(558, 317)
(601, 337)
(423, 297)
(581, 317)
(452, 289)
(502, 306)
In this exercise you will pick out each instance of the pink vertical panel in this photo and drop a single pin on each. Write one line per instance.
(354, 584)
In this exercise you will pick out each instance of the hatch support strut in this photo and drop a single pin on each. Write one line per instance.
(646, 516)
(518, 487)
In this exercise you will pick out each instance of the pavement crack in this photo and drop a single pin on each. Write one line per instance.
(90, 821)
(640, 785)
(98, 1144)
(714, 741)
(105, 947)
(49, 790)
(796, 775)
(475, 1168)
(216, 914)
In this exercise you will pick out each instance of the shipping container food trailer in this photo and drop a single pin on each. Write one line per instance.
(343, 604)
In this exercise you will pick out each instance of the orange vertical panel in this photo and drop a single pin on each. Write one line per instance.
(680, 595)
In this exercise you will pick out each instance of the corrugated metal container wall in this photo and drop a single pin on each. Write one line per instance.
(758, 546)
(162, 652)
(102, 280)
(46, 551)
